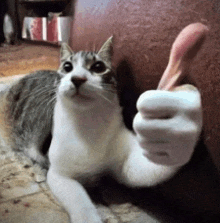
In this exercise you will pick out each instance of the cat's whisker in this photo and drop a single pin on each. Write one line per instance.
(105, 98)
(44, 88)
(48, 87)
(37, 94)
(33, 75)
(108, 86)
(52, 100)
(45, 97)
(100, 92)
(95, 87)
(99, 88)
(103, 89)
(47, 105)
(110, 90)
(30, 77)
(43, 91)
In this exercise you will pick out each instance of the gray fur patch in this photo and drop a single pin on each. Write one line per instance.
(29, 110)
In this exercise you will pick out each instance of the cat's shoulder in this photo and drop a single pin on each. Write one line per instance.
(32, 82)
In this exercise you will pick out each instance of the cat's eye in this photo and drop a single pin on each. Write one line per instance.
(67, 66)
(98, 67)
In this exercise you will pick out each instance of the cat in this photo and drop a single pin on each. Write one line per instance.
(75, 112)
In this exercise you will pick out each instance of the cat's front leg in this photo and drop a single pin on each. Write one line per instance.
(168, 124)
(73, 197)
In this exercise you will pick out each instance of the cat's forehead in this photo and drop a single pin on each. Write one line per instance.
(86, 57)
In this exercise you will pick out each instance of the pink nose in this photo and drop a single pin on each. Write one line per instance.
(78, 81)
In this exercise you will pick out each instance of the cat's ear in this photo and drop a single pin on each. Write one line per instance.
(106, 50)
(65, 51)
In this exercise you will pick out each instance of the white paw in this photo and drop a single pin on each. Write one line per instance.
(168, 125)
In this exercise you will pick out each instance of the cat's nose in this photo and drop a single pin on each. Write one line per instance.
(78, 81)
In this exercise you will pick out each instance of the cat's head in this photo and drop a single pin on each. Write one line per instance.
(87, 76)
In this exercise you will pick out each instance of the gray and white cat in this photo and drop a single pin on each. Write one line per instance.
(80, 104)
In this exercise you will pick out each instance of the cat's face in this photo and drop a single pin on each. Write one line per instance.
(87, 76)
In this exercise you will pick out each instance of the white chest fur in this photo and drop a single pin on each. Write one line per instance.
(86, 141)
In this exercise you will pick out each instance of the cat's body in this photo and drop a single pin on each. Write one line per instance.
(89, 136)
(26, 114)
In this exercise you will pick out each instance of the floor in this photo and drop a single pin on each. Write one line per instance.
(24, 195)
(26, 198)
(27, 57)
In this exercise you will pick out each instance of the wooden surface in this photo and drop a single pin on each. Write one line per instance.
(27, 57)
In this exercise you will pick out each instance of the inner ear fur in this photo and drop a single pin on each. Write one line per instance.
(106, 50)
(65, 51)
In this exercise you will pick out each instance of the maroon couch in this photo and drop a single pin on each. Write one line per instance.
(144, 31)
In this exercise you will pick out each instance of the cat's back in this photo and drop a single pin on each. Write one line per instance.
(29, 92)
(27, 108)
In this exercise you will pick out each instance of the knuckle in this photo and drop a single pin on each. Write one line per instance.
(141, 129)
(139, 124)
(144, 98)
(137, 120)
(147, 127)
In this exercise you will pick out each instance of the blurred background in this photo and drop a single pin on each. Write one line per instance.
(25, 24)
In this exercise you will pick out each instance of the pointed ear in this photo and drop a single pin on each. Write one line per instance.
(65, 51)
(106, 50)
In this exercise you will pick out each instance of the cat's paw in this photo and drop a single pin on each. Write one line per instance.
(86, 218)
(168, 124)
